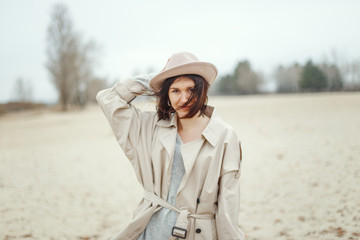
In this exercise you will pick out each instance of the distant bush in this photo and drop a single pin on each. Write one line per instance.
(244, 80)
(19, 106)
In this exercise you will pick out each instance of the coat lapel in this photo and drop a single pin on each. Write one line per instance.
(190, 152)
(167, 138)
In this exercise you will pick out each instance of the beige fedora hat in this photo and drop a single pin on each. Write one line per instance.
(184, 63)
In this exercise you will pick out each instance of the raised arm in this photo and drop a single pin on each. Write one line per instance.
(132, 127)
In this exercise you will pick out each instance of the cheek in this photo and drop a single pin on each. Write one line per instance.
(172, 98)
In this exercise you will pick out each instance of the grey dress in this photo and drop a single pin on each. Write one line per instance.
(162, 222)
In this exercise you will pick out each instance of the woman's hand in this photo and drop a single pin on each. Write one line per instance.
(144, 80)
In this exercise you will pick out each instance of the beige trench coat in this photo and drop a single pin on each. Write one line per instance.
(212, 165)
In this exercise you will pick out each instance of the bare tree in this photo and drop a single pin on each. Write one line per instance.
(94, 86)
(351, 71)
(248, 81)
(60, 46)
(333, 75)
(70, 61)
(287, 78)
(22, 91)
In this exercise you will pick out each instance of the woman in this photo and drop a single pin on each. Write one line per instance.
(186, 158)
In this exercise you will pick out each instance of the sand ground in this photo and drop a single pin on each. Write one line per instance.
(63, 176)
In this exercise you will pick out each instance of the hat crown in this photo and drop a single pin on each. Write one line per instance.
(183, 63)
(180, 58)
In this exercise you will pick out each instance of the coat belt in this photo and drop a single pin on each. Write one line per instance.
(180, 228)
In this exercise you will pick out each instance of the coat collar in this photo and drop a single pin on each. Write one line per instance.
(212, 131)
(215, 127)
(168, 123)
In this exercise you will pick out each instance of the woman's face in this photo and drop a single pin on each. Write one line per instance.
(179, 93)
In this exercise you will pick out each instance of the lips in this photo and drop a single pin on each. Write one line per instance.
(187, 107)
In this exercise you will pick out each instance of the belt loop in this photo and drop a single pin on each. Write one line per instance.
(180, 228)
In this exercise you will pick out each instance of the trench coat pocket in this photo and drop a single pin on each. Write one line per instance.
(205, 229)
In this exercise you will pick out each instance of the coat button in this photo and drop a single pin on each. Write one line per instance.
(198, 230)
(198, 200)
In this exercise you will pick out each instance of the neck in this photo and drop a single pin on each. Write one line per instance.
(189, 123)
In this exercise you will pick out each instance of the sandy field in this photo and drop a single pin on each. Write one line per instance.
(63, 176)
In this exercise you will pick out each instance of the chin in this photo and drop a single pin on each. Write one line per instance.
(182, 113)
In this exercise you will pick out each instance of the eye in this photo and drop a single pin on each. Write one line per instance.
(175, 91)
(191, 90)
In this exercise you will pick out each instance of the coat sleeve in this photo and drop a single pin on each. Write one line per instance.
(229, 193)
(131, 127)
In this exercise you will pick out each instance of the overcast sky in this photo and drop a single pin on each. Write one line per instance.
(136, 35)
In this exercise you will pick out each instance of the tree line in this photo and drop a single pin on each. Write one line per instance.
(310, 77)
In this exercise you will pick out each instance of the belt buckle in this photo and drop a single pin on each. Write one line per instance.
(177, 232)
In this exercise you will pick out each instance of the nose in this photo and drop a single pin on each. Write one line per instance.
(184, 97)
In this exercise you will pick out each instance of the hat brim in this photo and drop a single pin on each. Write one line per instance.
(207, 70)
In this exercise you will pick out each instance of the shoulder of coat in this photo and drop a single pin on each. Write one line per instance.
(231, 134)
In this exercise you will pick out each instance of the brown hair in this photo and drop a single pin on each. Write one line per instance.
(198, 96)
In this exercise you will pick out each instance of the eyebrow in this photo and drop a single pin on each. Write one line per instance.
(178, 88)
